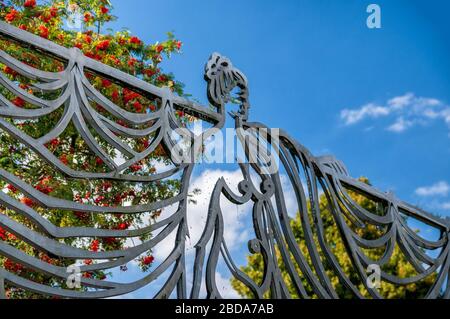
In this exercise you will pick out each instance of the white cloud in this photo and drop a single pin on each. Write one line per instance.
(400, 125)
(237, 223)
(367, 111)
(446, 206)
(235, 233)
(399, 102)
(232, 214)
(225, 288)
(446, 115)
(409, 110)
(439, 189)
(289, 196)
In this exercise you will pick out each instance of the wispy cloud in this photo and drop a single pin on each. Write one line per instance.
(439, 189)
(405, 111)
(367, 111)
(234, 228)
(237, 221)
(400, 125)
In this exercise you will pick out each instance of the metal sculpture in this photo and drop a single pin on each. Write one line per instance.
(309, 176)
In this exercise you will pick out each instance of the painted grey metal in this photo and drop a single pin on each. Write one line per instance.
(309, 176)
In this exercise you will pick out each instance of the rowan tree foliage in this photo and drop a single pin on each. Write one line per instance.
(122, 50)
(398, 264)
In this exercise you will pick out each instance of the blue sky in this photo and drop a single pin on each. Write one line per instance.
(306, 61)
(378, 99)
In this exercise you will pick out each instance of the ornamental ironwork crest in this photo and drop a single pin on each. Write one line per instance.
(287, 269)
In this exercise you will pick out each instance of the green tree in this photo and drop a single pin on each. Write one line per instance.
(121, 50)
(398, 264)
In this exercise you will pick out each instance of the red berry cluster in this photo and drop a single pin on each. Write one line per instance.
(148, 260)
(29, 4)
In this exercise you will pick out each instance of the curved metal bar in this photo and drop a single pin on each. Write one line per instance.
(312, 269)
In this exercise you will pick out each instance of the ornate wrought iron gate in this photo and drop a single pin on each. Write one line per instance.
(309, 176)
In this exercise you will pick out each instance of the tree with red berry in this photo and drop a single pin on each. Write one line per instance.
(121, 50)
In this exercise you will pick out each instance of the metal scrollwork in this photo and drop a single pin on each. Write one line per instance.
(309, 176)
(222, 78)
